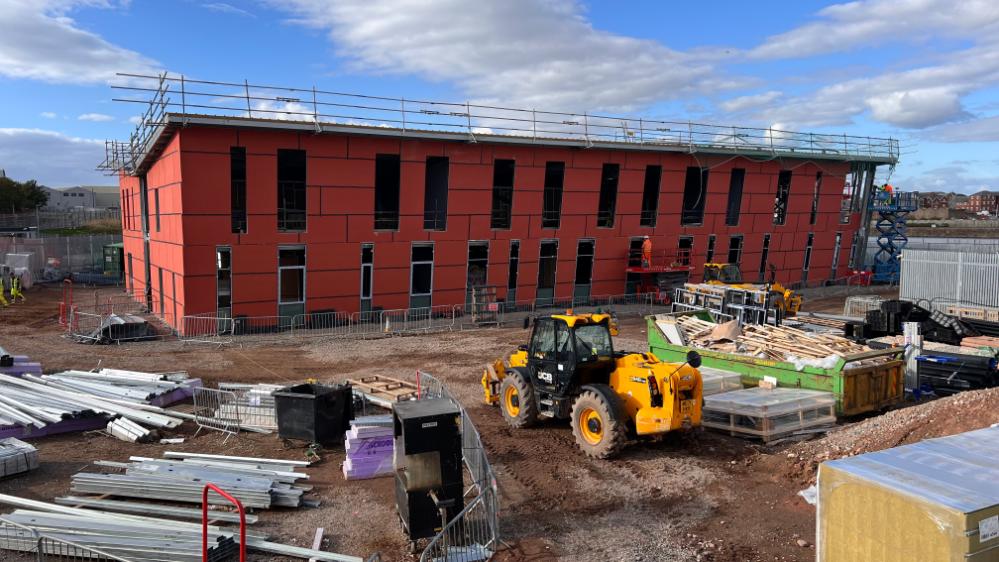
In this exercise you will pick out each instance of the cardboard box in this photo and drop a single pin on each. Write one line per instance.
(933, 501)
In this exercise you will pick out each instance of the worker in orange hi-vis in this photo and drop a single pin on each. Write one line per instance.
(646, 252)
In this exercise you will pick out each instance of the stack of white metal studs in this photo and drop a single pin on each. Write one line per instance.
(140, 531)
(16, 457)
(32, 401)
(181, 477)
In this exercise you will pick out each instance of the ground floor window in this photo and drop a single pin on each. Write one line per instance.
(584, 270)
(421, 278)
(223, 282)
(547, 261)
(511, 279)
(478, 264)
(291, 281)
(367, 275)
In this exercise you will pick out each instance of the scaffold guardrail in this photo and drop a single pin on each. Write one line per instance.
(177, 100)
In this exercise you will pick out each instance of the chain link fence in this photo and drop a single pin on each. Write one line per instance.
(474, 533)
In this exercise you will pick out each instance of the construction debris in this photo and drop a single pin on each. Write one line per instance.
(370, 447)
(257, 483)
(16, 457)
(779, 343)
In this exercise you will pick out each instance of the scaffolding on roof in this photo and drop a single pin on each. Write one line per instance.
(176, 101)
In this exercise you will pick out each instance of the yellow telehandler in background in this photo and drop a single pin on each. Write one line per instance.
(730, 275)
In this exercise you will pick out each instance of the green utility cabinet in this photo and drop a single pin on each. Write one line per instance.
(114, 258)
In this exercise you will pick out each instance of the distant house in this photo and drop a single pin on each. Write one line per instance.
(982, 201)
(83, 197)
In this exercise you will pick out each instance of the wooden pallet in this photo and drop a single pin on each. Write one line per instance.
(386, 388)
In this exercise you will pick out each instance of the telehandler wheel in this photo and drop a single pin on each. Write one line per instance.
(598, 422)
(517, 400)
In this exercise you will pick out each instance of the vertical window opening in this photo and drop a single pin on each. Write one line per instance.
(608, 195)
(835, 258)
(291, 281)
(764, 256)
(684, 249)
(156, 207)
(710, 254)
(808, 257)
(695, 191)
(387, 177)
(783, 192)
(237, 188)
(291, 190)
(815, 198)
(511, 278)
(421, 282)
(735, 250)
(435, 194)
(502, 209)
(650, 195)
(478, 267)
(551, 211)
(735, 183)
(223, 282)
(584, 270)
(547, 260)
(367, 275)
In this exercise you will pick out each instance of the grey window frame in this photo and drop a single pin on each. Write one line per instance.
(287, 219)
(304, 268)
(412, 268)
(738, 250)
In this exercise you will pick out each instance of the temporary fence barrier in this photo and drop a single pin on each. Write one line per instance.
(20, 542)
(55, 257)
(474, 533)
(212, 329)
(217, 410)
(937, 279)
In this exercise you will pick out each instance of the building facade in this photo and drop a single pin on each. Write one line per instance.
(246, 217)
(987, 201)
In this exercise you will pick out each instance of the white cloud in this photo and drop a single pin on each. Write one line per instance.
(54, 159)
(985, 129)
(755, 101)
(224, 8)
(531, 53)
(96, 117)
(855, 25)
(41, 42)
(954, 176)
(135, 119)
(48, 115)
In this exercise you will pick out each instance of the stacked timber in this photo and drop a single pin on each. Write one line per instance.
(370, 447)
(779, 343)
(181, 477)
(16, 457)
(980, 341)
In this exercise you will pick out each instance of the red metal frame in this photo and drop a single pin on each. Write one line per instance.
(204, 521)
(67, 302)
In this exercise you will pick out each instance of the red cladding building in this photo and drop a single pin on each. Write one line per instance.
(248, 216)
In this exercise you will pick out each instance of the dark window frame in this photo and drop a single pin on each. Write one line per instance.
(237, 189)
(764, 257)
(554, 263)
(782, 196)
(388, 182)
(436, 175)
(551, 209)
(737, 248)
(695, 195)
(610, 176)
(650, 196)
(292, 194)
(733, 210)
(585, 261)
(815, 198)
(504, 172)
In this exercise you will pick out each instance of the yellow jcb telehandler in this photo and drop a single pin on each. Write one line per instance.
(570, 370)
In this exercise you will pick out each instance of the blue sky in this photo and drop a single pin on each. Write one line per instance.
(923, 71)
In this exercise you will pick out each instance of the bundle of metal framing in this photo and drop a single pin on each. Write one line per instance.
(113, 527)
(180, 477)
(16, 457)
(159, 389)
(35, 406)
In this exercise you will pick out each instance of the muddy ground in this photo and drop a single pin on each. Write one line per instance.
(703, 496)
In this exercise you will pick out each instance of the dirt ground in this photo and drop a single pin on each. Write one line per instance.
(702, 496)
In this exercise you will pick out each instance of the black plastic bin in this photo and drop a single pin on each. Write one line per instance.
(314, 412)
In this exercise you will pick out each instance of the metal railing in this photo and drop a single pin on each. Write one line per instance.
(474, 533)
(179, 100)
(214, 330)
(217, 410)
(20, 542)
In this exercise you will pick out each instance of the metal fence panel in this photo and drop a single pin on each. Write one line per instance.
(217, 410)
(54, 257)
(474, 533)
(942, 278)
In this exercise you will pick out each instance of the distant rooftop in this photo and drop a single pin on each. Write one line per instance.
(172, 102)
